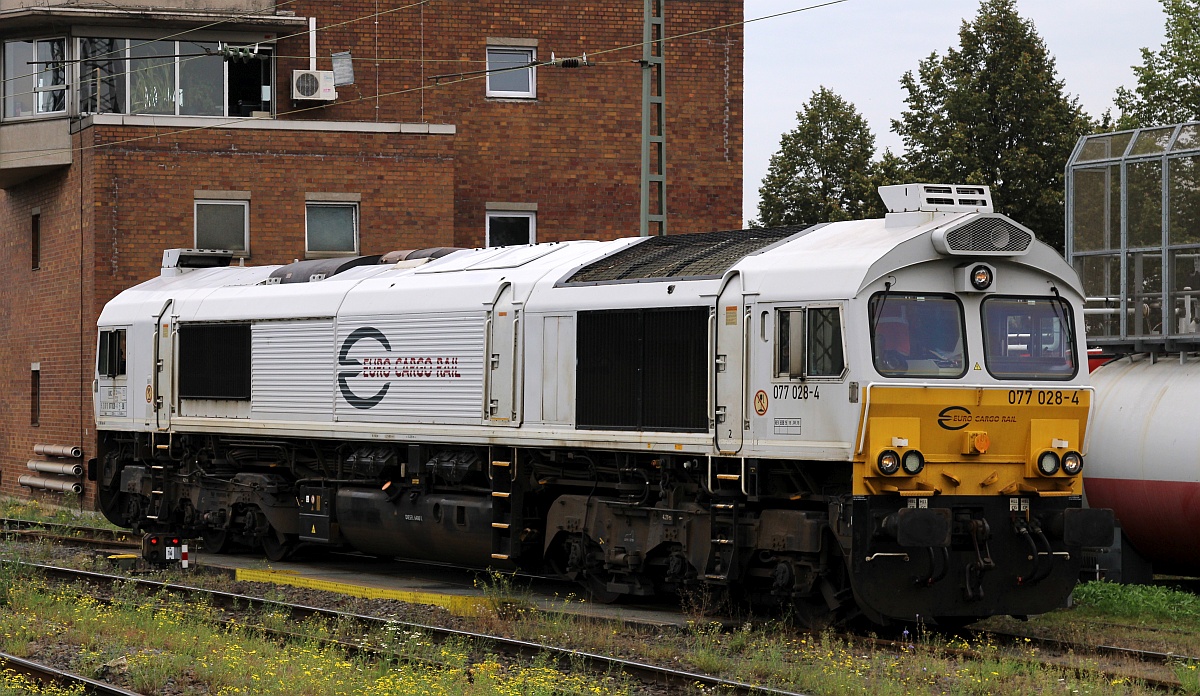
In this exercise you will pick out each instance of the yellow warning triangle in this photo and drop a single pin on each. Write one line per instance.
(976, 366)
(314, 529)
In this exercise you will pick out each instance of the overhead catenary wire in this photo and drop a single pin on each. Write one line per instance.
(230, 121)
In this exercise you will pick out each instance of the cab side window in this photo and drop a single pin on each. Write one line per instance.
(808, 343)
(110, 354)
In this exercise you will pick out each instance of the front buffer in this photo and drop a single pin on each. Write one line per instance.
(949, 559)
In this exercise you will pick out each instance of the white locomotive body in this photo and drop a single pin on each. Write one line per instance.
(856, 416)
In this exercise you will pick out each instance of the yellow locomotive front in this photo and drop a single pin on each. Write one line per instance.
(967, 490)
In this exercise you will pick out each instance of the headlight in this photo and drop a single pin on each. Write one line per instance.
(913, 462)
(1072, 463)
(981, 277)
(888, 462)
(1047, 463)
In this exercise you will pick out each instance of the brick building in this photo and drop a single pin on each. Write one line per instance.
(124, 131)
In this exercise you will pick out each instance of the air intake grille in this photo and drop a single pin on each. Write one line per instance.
(707, 254)
(988, 235)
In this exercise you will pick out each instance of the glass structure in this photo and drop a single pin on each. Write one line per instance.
(1133, 235)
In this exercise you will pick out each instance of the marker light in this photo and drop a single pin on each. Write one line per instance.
(913, 461)
(888, 462)
(1072, 463)
(981, 277)
(1047, 463)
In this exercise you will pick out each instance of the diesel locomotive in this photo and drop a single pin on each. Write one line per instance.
(877, 418)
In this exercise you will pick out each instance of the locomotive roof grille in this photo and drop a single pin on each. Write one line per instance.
(985, 235)
(701, 255)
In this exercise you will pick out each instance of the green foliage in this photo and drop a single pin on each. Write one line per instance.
(823, 170)
(992, 111)
(1168, 80)
(1142, 602)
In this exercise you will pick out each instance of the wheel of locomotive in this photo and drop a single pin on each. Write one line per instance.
(276, 545)
(217, 540)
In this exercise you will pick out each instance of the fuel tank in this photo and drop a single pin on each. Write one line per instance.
(1143, 459)
(430, 527)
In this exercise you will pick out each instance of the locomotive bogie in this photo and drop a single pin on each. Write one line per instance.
(762, 410)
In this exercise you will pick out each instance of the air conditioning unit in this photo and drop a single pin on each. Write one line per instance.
(313, 85)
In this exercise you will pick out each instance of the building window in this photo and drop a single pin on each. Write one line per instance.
(35, 394)
(511, 73)
(331, 229)
(35, 77)
(222, 224)
(171, 78)
(35, 240)
(508, 228)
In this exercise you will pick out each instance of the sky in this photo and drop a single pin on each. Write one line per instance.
(860, 49)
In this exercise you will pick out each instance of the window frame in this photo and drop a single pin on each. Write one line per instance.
(1068, 320)
(531, 215)
(36, 70)
(309, 253)
(778, 374)
(35, 240)
(238, 253)
(527, 95)
(962, 328)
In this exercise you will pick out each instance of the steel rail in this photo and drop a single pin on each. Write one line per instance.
(44, 673)
(566, 658)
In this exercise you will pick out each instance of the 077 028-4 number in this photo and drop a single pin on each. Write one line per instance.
(795, 391)
(1043, 397)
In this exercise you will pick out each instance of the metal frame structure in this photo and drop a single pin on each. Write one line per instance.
(654, 122)
(1133, 235)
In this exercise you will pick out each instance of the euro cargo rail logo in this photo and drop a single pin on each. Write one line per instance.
(398, 367)
(345, 360)
(957, 418)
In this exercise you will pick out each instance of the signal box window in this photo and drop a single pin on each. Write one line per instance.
(808, 343)
(110, 354)
(223, 225)
(511, 228)
(35, 77)
(332, 229)
(917, 335)
(511, 73)
(1028, 338)
(174, 78)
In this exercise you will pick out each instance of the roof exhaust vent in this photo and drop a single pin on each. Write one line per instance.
(936, 198)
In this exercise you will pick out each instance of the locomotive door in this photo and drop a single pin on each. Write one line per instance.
(501, 404)
(162, 372)
(729, 361)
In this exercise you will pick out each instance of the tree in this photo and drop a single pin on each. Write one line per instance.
(1168, 81)
(993, 112)
(823, 170)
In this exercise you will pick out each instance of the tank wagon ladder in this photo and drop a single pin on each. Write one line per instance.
(506, 504)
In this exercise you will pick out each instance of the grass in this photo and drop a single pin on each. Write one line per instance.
(152, 644)
(1142, 603)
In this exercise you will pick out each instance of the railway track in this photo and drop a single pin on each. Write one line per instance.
(565, 658)
(45, 673)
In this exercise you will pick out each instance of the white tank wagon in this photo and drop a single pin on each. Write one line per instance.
(878, 416)
(1145, 464)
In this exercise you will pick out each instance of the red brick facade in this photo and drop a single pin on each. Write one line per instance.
(573, 152)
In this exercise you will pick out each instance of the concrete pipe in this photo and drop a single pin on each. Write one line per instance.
(62, 485)
(60, 468)
(58, 451)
